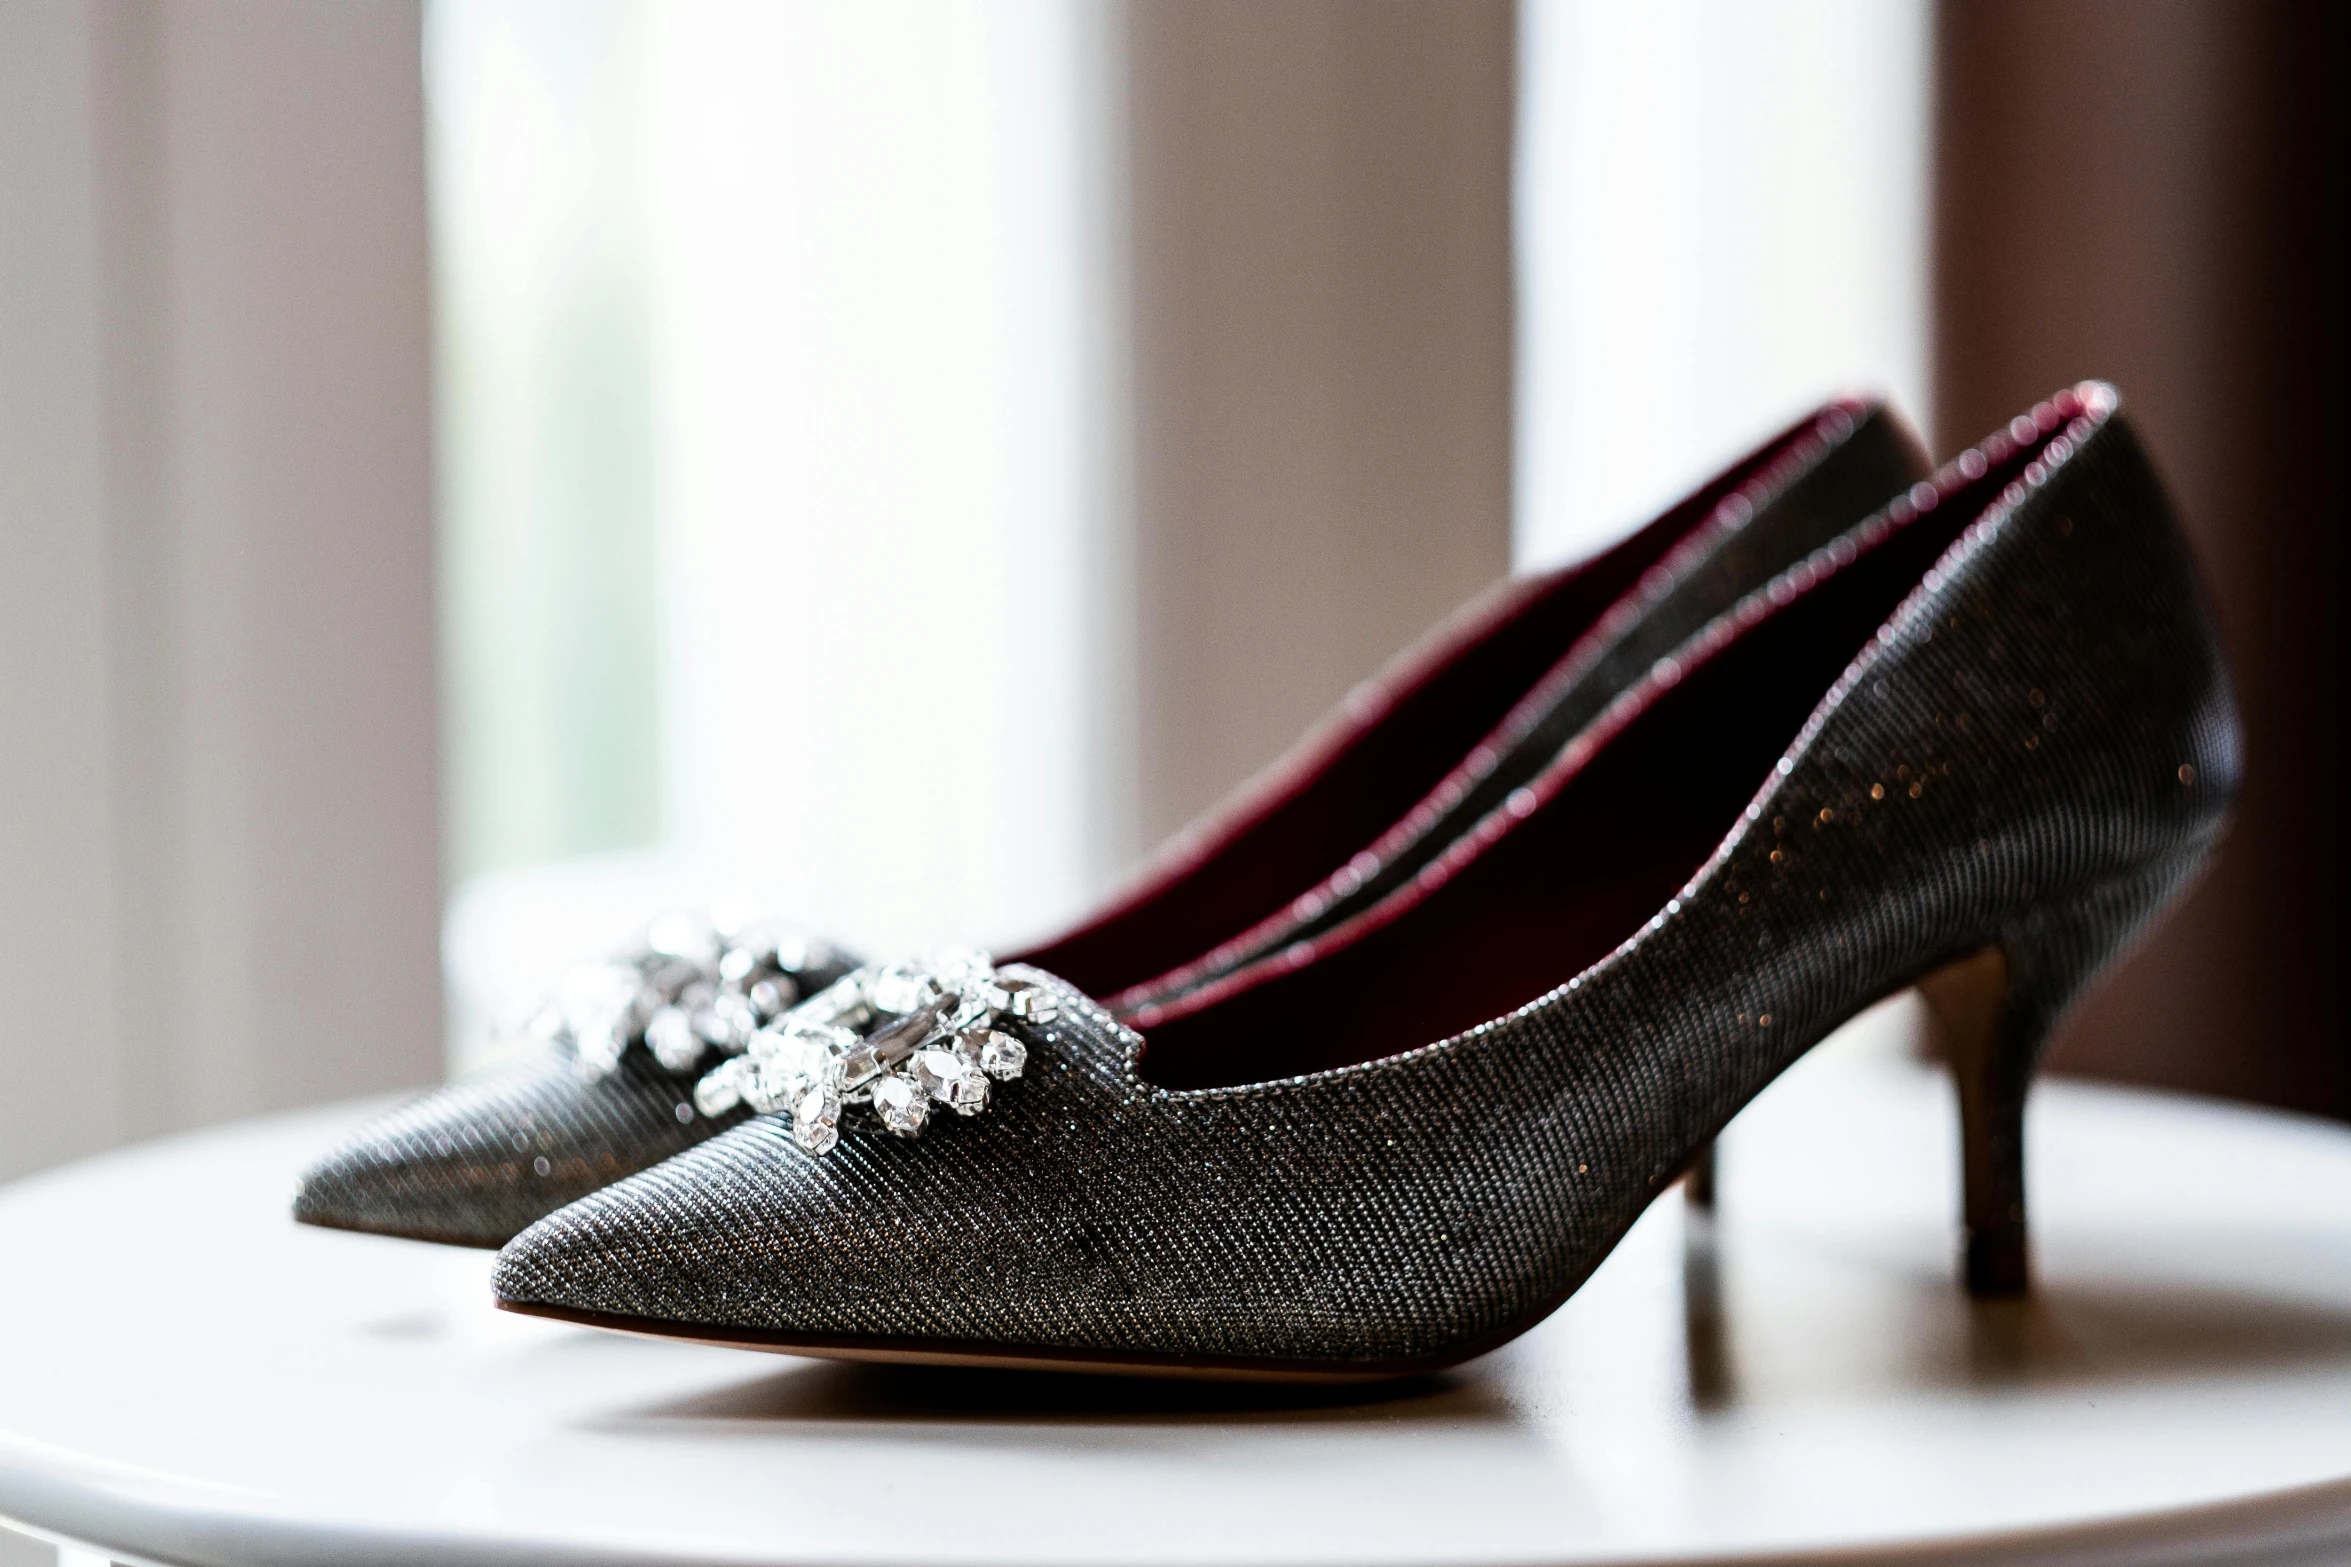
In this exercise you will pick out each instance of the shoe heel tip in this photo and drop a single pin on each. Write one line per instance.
(1996, 1268)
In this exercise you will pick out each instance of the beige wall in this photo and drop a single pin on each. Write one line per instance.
(219, 879)
(1321, 358)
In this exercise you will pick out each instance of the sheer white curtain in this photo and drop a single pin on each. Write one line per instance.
(863, 245)
(870, 245)
(870, 272)
(1721, 215)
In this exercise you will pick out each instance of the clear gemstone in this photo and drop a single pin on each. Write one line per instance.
(601, 1037)
(901, 1104)
(809, 1057)
(934, 1070)
(835, 1039)
(765, 1088)
(727, 1019)
(816, 1121)
(736, 964)
(952, 1081)
(959, 967)
(859, 1066)
(903, 988)
(1032, 1004)
(772, 1075)
(1002, 1056)
(763, 1044)
(771, 998)
(600, 1013)
(839, 1002)
(672, 1039)
(721, 1089)
(897, 1041)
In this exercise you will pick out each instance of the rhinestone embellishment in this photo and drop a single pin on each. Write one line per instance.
(902, 1041)
(692, 986)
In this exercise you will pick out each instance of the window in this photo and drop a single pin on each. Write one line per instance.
(769, 438)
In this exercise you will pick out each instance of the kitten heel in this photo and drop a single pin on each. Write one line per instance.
(1997, 1008)
(1969, 1000)
(1699, 1179)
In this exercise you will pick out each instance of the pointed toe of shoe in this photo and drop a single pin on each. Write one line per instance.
(747, 1240)
(478, 1161)
(674, 1244)
(368, 1186)
(582, 1261)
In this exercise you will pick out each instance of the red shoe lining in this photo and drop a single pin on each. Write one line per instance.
(1395, 740)
(1608, 834)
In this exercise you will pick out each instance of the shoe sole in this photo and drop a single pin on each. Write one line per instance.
(928, 1352)
(468, 1242)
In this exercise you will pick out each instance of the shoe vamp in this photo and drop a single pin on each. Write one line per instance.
(1379, 1215)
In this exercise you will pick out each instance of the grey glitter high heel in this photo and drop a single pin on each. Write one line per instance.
(1985, 735)
(475, 1162)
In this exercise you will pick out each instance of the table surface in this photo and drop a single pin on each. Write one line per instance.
(198, 1381)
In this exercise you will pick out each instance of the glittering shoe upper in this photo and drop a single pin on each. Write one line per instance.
(1996, 708)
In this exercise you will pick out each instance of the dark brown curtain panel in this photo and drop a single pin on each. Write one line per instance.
(2153, 193)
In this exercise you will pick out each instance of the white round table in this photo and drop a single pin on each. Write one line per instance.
(189, 1378)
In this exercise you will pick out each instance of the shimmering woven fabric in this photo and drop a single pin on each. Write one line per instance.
(2052, 687)
(463, 1164)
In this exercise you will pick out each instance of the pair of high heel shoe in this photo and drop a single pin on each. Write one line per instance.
(1375, 1069)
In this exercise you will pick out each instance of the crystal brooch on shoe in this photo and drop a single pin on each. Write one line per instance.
(899, 1041)
(690, 987)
